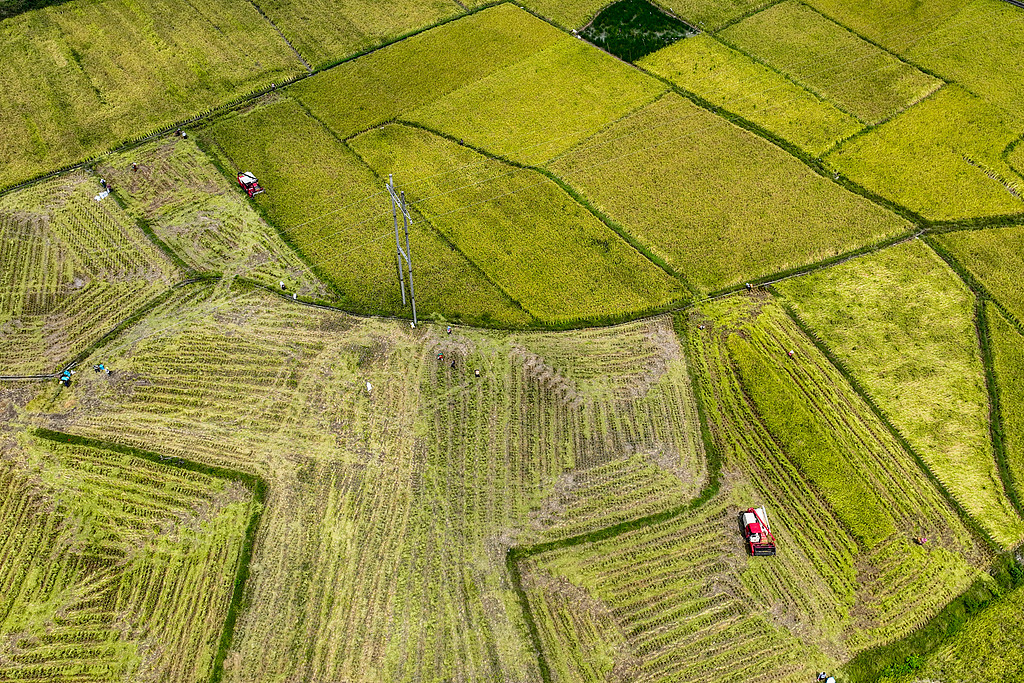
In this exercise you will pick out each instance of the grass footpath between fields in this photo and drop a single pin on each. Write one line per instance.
(732, 80)
(334, 209)
(540, 246)
(830, 61)
(941, 158)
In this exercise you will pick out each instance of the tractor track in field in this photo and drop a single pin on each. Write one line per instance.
(309, 67)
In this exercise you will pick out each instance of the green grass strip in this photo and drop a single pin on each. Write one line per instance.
(255, 484)
(996, 430)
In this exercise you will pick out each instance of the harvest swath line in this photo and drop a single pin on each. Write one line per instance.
(255, 485)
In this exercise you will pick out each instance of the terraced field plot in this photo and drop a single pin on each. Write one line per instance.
(543, 105)
(974, 48)
(336, 212)
(391, 509)
(994, 257)
(379, 87)
(903, 324)
(203, 218)
(81, 76)
(941, 158)
(749, 209)
(732, 80)
(680, 600)
(532, 239)
(323, 32)
(113, 567)
(896, 25)
(1008, 362)
(831, 61)
(71, 269)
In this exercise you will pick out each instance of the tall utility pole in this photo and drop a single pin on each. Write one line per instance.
(398, 201)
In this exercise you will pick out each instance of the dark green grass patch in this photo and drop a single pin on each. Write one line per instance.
(631, 29)
(1008, 361)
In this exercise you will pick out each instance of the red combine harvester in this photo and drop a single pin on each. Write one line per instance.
(249, 183)
(754, 526)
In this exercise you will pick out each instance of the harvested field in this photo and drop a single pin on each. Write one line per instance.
(995, 257)
(381, 552)
(80, 77)
(113, 567)
(903, 324)
(942, 158)
(335, 210)
(379, 87)
(543, 105)
(324, 32)
(203, 217)
(719, 204)
(680, 600)
(72, 269)
(732, 80)
(532, 239)
(830, 61)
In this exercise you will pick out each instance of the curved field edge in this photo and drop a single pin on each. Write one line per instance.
(256, 486)
(904, 655)
(905, 326)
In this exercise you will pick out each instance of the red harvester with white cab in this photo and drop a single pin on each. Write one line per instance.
(249, 183)
(754, 525)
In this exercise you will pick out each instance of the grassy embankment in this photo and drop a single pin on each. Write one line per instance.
(993, 257)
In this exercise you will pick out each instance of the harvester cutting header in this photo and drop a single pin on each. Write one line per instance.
(754, 526)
